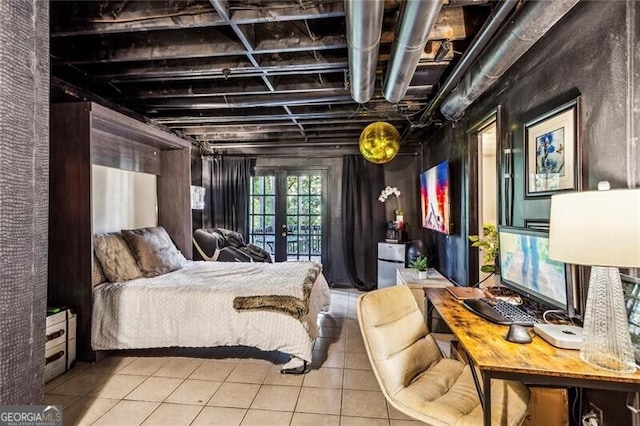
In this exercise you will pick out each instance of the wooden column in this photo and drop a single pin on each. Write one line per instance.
(174, 197)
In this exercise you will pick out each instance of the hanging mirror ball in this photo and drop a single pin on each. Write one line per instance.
(379, 142)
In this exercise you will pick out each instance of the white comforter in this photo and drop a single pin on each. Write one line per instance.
(193, 307)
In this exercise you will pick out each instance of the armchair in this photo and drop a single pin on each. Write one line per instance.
(224, 245)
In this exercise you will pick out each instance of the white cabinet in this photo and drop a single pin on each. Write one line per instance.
(60, 343)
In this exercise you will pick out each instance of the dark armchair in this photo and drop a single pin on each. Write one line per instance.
(224, 245)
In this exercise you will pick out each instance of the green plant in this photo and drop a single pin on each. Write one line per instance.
(419, 263)
(488, 244)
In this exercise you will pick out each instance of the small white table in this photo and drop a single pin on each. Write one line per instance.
(409, 276)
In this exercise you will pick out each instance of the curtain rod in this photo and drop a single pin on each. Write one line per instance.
(327, 155)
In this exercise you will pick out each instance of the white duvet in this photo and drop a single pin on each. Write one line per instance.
(193, 307)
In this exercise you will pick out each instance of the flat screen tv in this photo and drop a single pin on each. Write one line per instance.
(526, 268)
(434, 198)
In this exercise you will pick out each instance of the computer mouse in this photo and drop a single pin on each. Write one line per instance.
(518, 334)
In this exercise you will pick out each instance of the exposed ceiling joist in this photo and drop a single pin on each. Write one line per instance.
(243, 70)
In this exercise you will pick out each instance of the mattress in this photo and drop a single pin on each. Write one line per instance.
(193, 307)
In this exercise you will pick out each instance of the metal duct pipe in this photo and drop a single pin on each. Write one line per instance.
(533, 22)
(414, 25)
(481, 40)
(364, 26)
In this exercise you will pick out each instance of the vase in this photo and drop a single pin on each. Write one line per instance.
(399, 220)
(422, 275)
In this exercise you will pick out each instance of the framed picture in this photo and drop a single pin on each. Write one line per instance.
(551, 151)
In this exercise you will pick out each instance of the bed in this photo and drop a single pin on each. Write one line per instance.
(271, 306)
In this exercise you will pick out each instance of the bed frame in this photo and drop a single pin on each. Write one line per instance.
(83, 134)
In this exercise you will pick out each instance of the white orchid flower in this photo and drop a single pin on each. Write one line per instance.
(387, 192)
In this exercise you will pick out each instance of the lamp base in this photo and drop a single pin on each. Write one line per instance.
(606, 338)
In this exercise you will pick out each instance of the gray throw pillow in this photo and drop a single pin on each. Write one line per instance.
(118, 264)
(153, 249)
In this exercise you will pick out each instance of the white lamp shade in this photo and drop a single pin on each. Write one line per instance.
(596, 228)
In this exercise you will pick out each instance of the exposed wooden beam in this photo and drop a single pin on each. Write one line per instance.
(192, 16)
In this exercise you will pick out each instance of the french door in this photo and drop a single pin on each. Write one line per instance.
(287, 213)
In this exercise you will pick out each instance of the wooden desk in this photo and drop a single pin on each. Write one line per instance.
(534, 363)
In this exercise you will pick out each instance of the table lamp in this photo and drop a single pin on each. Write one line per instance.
(600, 229)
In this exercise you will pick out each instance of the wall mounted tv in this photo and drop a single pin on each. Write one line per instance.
(434, 198)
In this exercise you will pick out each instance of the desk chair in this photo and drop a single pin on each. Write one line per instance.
(412, 373)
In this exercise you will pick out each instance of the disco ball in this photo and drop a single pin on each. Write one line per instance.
(379, 142)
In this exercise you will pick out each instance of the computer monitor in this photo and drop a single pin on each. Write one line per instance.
(525, 267)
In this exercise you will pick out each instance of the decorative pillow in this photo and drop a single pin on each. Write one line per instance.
(97, 274)
(153, 249)
(118, 264)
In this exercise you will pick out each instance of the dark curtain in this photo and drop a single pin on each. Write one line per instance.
(229, 200)
(363, 219)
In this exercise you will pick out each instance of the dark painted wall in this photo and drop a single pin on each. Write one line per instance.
(449, 252)
(403, 173)
(24, 207)
(572, 59)
(592, 52)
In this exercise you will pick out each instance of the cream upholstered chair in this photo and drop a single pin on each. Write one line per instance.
(413, 375)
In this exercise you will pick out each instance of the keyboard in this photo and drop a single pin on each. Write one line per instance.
(500, 312)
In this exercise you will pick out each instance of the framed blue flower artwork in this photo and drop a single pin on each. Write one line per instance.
(551, 151)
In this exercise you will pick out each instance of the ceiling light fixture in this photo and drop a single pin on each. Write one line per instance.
(379, 142)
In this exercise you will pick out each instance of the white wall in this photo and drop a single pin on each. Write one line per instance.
(122, 199)
(487, 196)
(488, 178)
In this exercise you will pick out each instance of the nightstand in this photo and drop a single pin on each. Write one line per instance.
(60, 342)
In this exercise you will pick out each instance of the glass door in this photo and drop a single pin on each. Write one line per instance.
(262, 212)
(287, 213)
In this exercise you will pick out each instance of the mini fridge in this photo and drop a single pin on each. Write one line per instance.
(391, 256)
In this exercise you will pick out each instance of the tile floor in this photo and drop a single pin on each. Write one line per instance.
(232, 386)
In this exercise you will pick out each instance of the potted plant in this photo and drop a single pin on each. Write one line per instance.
(420, 265)
(488, 244)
